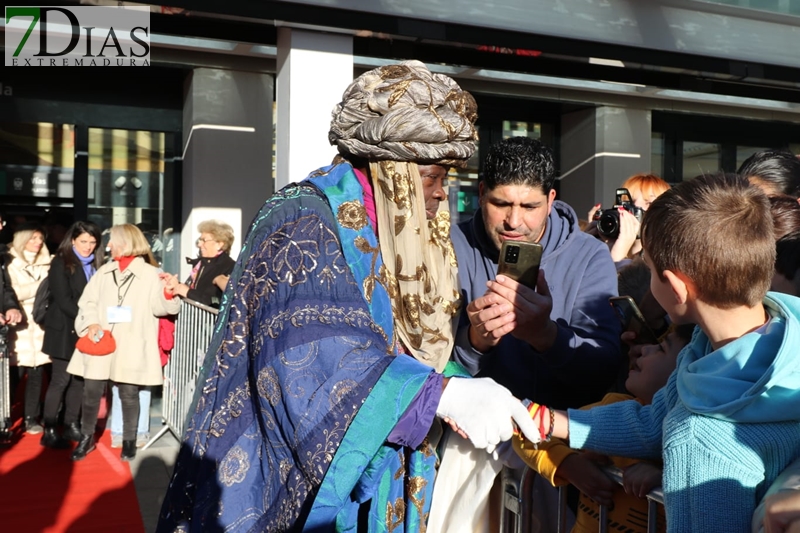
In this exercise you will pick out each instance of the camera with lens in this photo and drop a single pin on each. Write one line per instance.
(608, 220)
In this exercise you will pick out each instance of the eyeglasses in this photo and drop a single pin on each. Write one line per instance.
(201, 240)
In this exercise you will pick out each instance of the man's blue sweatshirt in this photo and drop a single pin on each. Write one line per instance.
(586, 357)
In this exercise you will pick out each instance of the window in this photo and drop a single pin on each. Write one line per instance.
(700, 158)
(127, 180)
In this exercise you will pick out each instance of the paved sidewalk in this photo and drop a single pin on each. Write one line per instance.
(152, 469)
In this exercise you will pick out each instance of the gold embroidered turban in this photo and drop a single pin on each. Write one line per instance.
(397, 117)
(404, 112)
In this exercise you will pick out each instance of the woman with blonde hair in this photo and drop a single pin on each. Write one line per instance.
(125, 297)
(28, 267)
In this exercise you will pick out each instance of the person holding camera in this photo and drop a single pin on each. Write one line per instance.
(619, 225)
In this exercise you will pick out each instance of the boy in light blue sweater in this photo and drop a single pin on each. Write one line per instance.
(726, 423)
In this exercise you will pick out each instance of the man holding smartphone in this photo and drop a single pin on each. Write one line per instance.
(559, 342)
(555, 337)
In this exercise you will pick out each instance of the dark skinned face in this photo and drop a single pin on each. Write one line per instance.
(434, 179)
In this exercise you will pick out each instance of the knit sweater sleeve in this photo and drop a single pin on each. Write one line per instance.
(701, 479)
(626, 429)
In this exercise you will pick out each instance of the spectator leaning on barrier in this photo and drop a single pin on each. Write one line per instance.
(212, 269)
(651, 366)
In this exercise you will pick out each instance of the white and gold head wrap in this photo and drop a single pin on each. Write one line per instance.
(396, 117)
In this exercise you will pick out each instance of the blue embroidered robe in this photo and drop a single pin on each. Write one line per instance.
(302, 384)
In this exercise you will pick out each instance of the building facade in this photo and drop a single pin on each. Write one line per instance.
(237, 101)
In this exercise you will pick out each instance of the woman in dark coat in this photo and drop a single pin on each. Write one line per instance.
(211, 270)
(72, 266)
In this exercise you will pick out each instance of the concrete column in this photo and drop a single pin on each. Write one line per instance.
(313, 71)
(600, 148)
(227, 154)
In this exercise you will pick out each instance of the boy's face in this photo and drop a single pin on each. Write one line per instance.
(649, 372)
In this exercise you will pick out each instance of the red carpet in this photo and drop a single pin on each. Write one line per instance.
(42, 490)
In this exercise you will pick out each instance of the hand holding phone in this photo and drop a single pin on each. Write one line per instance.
(519, 260)
(632, 319)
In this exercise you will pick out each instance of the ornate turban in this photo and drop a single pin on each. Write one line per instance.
(397, 117)
(404, 112)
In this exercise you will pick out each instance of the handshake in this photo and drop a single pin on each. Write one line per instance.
(488, 413)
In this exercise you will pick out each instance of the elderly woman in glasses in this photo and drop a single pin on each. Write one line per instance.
(210, 271)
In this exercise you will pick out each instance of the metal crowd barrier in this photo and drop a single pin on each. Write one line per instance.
(518, 494)
(6, 397)
(194, 327)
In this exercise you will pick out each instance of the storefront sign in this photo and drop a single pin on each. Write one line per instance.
(85, 36)
(24, 181)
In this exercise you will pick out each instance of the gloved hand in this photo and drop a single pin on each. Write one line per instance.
(484, 410)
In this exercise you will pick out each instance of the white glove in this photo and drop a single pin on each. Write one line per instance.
(484, 410)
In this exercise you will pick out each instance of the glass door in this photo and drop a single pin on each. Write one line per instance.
(37, 171)
(129, 180)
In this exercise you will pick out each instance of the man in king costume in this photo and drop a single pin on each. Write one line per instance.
(319, 402)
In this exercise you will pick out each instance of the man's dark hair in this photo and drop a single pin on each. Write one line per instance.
(519, 161)
(785, 215)
(776, 170)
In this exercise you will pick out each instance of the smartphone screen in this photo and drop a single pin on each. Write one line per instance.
(632, 319)
(520, 262)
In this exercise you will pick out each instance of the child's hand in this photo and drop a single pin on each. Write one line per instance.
(782, 512)
(455, 427)
(640, 478)
(579, 470)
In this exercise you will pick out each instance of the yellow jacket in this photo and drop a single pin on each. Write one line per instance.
(629, 513)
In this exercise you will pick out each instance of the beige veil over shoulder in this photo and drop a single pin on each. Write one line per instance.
(396, 117)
